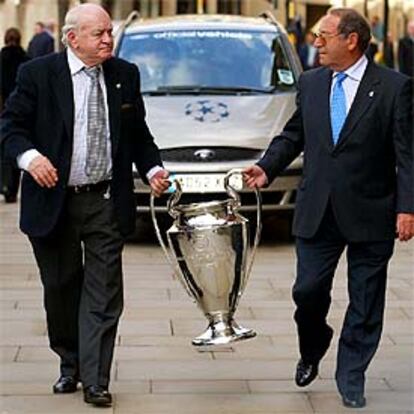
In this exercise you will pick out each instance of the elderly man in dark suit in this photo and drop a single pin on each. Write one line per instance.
(353, 123)
(75, 124)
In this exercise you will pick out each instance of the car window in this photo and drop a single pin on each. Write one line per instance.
(208, 58)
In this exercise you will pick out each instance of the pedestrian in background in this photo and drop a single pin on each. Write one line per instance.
(308, 53)
(354, 124)
(42, 42)
(406, 51)
(12, 55)
(377, 29)
(75, 125)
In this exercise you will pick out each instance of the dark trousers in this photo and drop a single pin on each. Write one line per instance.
(317, 259)
(81, 271)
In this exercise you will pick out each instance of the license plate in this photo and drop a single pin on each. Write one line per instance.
(205, 183)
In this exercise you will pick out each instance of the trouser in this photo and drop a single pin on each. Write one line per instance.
(317, 259)
(81, 271)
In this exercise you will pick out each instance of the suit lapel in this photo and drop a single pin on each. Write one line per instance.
(63, 89)
(365, 96)
(113, 90)
(323, 89)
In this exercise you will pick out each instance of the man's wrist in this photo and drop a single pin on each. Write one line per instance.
(24, 159)
(153, 171)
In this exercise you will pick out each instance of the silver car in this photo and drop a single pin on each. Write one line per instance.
(217, 89)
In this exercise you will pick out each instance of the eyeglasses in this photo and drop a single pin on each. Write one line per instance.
(324, 35)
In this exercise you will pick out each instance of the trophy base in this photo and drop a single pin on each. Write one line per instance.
(223, 333)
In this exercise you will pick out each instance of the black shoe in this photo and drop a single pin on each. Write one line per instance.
(305, 373)
(66, 384)
(354, 401)
(97, 395)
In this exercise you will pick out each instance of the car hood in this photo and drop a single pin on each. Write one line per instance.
(234, 121)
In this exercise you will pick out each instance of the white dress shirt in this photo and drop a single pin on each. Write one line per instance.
(352, 81)
(81, 87)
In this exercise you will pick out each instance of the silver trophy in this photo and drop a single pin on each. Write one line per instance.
(209, 242)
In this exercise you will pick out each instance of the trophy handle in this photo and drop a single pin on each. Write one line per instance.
(172, 202)
(232, 192)
(174, 199)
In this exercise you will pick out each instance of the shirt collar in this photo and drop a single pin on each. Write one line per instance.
(75, 64)
(357, 70)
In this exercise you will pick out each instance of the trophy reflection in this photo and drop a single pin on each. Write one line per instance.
(209, 249)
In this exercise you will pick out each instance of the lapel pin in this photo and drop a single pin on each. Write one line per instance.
(371, 94)
(118, 86)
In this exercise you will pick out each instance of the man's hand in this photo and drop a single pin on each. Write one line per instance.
(43, 172)
(405, 226)
(255, 176)
(159, 182)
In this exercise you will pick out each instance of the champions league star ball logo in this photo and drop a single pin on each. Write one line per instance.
(207, 111)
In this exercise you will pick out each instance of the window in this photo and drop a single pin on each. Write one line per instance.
(186, 6)
(229, 6)
(209, 58)
(148, 8)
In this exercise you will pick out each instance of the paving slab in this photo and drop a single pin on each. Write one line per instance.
(213, 403)
(8, 353)
(200, 387)
(320, 385)
(40, 404)
(205, 370)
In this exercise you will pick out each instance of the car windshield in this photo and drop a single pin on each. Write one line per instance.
(203, 61)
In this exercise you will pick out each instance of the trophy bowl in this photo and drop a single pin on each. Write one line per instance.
(209, 250)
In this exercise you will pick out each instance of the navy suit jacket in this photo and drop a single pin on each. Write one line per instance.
(39, 114)
(369, 175)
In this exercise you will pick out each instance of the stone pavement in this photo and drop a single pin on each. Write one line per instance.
(157, 371)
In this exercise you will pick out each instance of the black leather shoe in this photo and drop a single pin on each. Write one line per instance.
(66, 384)
(354, 401)
(97, 395)
(305, 373)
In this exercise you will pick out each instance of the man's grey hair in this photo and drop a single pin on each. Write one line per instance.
(71, 23)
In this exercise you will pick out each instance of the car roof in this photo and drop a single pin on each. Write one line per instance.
(204, 21)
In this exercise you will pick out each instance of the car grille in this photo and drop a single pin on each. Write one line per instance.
(209, 154)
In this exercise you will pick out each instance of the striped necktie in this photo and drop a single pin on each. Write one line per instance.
(338, 107)
(97, 153)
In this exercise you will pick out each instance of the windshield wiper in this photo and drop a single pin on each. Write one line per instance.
(208, 90)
